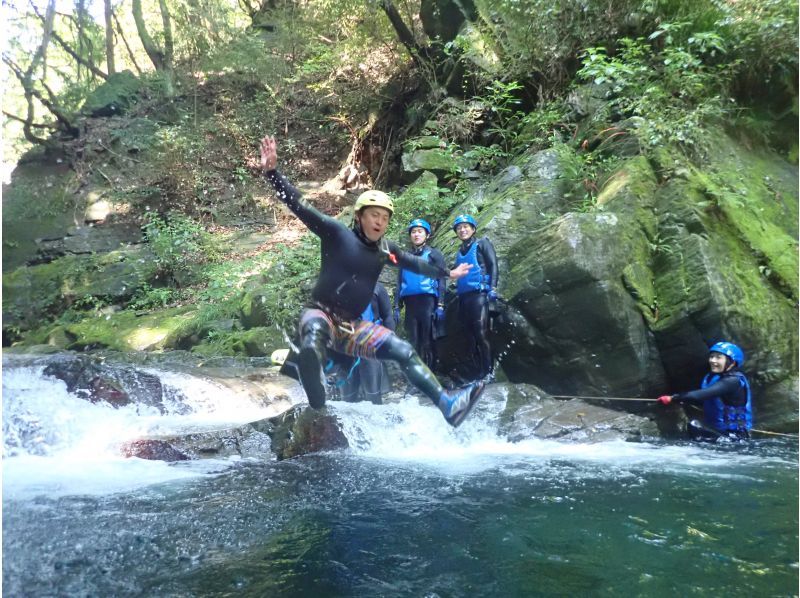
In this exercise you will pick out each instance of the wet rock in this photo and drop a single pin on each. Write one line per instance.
(152, 450)
(304, 430)
(532, 413)
(89, 377)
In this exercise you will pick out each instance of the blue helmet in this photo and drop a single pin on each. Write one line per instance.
(730, 350)
(465, 218)
(419, 222)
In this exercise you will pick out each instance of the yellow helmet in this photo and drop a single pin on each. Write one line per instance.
(374, 198)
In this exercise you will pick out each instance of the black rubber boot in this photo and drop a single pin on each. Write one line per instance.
(315, 337)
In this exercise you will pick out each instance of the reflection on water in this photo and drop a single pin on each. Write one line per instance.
(414, 508)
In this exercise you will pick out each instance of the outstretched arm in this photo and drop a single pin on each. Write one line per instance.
(405, 260)
(316, 221)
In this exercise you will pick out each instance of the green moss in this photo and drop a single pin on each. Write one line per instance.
(256, 342)
(127, 331)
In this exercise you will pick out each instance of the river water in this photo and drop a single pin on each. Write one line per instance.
(413, 508)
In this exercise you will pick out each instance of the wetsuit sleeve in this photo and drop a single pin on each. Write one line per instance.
(317, 222)
(725, 386)
(438, 260)
(416, 264)
(397, 288)
(384, 310)
(489, 262)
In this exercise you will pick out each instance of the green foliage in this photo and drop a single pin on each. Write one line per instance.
(148, 297)
(585, 173)
(428, 201)
(671, 91)
(178, 243)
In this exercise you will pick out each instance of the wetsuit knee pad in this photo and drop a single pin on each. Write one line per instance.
(395, 349)
(315, 326)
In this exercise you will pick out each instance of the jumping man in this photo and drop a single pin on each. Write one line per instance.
(352, 260)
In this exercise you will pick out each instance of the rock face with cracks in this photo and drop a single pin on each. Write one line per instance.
(623, 297)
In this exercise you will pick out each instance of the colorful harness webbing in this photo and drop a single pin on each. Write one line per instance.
(357, 338)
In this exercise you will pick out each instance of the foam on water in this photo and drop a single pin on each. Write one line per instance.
(55, 442)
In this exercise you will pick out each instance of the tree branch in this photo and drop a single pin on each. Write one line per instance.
(32, 92)
(131, 55)
(32, 125)
(66, 47)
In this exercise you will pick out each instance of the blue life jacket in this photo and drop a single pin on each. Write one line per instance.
(476, 279)
(368, 314)
(412, 283)
(723, 417)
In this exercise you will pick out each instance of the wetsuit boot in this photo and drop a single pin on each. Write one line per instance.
(315, 337)
(456, 404)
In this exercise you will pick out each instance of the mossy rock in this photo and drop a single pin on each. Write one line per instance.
(127, 331)
(114, 96)
(34, 293)
(38, 204)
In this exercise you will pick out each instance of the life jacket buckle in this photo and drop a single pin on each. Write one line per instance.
(346, 327)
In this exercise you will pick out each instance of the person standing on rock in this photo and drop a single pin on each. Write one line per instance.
(352, 260)
(724, 394)
(368, 379)
(476, 291)
(421, 295)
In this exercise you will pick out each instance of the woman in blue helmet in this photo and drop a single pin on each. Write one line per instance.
(352, 260)
(725, 396)
(476, 290)
(421, 295)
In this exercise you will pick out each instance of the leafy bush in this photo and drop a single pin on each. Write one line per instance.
(178, 243)
(671, 91)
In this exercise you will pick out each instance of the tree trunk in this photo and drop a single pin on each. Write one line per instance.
(121, 33)
(404, 34)
(162, 60)
(109, 37)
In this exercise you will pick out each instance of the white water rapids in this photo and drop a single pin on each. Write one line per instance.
(56, 443)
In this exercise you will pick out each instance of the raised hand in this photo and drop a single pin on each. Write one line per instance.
(269, 153)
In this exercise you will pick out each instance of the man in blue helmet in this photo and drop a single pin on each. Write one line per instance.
(352, 260)
(476, 290)
(725, 396)
(421, 295)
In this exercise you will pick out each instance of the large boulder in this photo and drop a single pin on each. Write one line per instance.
(31, 294)
(623, 295)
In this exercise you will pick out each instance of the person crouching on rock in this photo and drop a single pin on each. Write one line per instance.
(352, 260)
(724, 394)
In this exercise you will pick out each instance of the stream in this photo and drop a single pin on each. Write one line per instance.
(412, 508)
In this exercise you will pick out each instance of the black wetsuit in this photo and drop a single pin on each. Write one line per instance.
(368, 379)
(730, 390)
(473, 305)
(420, 309)
(350, 267)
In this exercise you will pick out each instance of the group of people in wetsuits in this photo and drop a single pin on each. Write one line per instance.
(348, 313)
